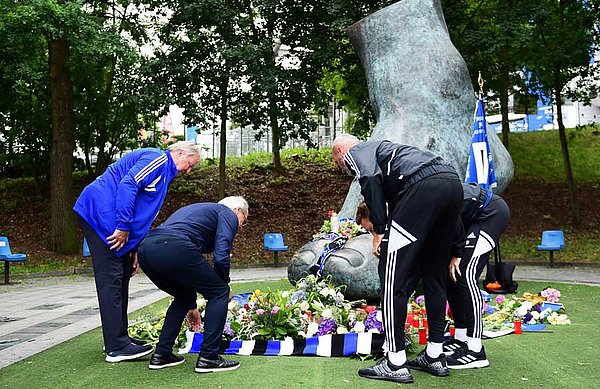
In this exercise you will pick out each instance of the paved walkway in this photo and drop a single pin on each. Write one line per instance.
(36, 314)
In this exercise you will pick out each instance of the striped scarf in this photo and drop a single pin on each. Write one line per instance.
(339, 345)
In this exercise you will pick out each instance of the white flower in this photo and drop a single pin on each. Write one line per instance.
(285, 294)
(326, 314)
(242, 311)
(535, 315)
(312, 329)
(342, 330)
(201, 303)
(359, 326)
(527, 305)
(232, 304)
(304, 306)
(324, 292)
(374, 331)
(378, 316)
(521, 311)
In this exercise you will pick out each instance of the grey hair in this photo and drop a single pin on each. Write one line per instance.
(233, 202)
(187, 146)
(345, 139)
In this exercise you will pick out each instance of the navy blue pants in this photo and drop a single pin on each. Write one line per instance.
(112, 275)
(464, 296)
(178, 267)
(416, 246)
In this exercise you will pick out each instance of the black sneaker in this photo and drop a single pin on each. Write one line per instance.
(467, 359)
(158, 361)
(452, 345)
(436, 366)
(385, 370)
(129, 352)
(205, 365)
(139, 342)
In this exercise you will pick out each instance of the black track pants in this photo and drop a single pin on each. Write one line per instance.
(112, 275)
(416, 246)
(483, 235)
(176, 266)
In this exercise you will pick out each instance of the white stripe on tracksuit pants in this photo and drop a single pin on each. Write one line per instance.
(416, 246)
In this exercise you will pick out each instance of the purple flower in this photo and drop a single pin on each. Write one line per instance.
(500, 299)
(274, 310)
(227, 330)
(528, 316)
(326, 326)
(372, 322)
(420, 299)
(260, 311)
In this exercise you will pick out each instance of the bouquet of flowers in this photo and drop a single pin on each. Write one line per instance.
(345, 227)
(530, 309)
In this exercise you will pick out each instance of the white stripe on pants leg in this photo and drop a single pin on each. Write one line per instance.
(388, 300)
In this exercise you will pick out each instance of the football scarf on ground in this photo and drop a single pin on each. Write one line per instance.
(339, 345)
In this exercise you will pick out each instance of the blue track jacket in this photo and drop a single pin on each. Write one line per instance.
(128, 196)
(211, 227)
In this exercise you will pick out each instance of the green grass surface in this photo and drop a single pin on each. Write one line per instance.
(566, 358)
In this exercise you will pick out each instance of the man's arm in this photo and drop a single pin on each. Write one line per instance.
(227, 228)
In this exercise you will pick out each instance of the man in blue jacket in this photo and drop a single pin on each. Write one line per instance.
(115, 212)
(172, 256)
(414, 198)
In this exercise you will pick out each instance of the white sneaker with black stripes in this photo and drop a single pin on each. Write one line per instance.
(467, 359)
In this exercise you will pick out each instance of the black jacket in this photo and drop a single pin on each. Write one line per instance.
(475, 199)
(384, 169)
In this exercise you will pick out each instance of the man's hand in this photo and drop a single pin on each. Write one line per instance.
(135, 265)
(193, 317)
(377, 244)
(454, 268)
(118, 239)
(230, 294)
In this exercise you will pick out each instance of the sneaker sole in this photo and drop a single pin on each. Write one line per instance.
(399, 380)
(471, 365)
(214, 369)
(122, 358)
(157, 367)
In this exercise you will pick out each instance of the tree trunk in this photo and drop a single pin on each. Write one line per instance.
(223, 139)
(565, 152)
(504, 98)
(63, 232)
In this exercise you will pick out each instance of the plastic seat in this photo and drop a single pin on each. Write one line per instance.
(274, 242)
(7, 256)
(552, 240)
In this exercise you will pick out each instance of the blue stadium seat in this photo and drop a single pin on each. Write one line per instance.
(552, 240)
(274, 242)
(7, 256)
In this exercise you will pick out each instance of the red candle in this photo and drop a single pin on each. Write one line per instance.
(422, 336)
(410, 318)
(425, 323)
(518, 329)
(452, 331)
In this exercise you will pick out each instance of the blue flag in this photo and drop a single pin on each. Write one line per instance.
(481, 166)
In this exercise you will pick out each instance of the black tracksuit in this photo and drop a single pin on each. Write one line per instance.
(172, 256)
(483, 219)
(423, 195)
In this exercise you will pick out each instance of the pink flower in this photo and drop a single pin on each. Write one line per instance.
(551, 295)
(500, 299)
(260, 311)
(274, 310)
